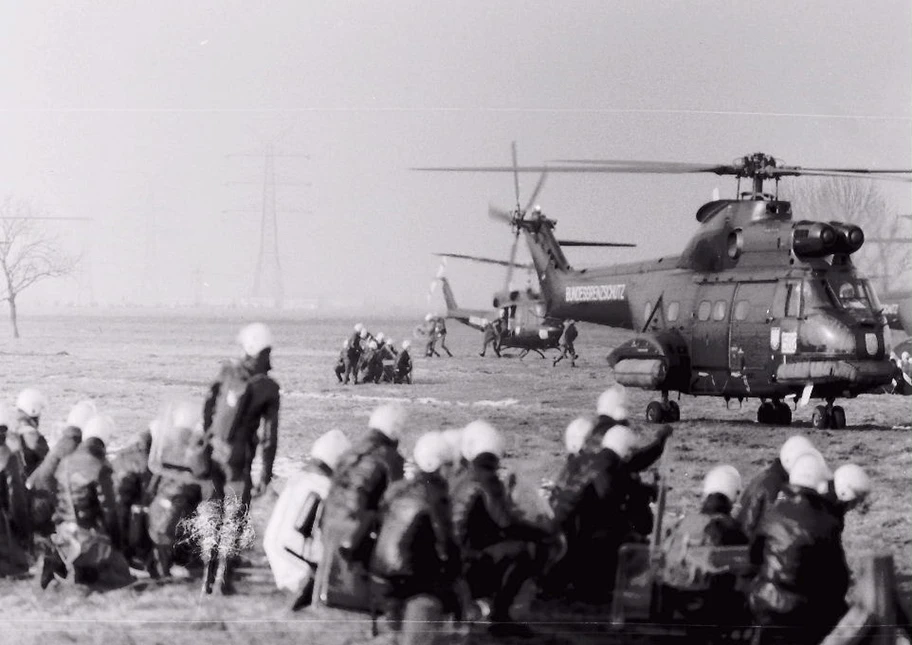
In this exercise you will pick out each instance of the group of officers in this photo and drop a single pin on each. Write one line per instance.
(448, 536)
(366, 358)
(81, 513)
(442, 533)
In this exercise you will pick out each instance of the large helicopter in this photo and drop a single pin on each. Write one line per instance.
(756, 306)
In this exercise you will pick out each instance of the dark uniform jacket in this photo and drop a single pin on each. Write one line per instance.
(569, 335)
(42, 483)
(592, 501)
(416, 538)
(361, 478)
(483, 514)
(259, 402)
(403, 364)
(33, 447)
(86, 489)
(760, 495)
(803, 576)
(13, 502)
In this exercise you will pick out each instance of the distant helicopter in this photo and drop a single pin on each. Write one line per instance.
(756, 306)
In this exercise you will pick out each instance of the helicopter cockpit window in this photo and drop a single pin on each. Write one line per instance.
(647, 310)
(852, 294)
(742, 308)
(674, 309)
(703, 311)
(719, 310)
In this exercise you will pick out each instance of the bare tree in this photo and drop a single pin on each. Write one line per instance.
(861, 202)
(28, 254)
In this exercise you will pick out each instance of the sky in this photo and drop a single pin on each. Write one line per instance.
(144, 116)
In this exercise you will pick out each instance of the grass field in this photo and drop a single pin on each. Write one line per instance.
(129, 365)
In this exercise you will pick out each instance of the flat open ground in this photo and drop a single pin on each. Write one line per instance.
(130, 364)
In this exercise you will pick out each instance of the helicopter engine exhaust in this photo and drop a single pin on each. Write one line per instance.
(814, 239)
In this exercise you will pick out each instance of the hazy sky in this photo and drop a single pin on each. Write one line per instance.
(127, 111)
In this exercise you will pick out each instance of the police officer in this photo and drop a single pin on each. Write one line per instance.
(388, 356)
(131, 476)
(353, 503)
(178, 463)
(431, 329)
(702, 597)
(356, 344)
(441, 332)
(761, 492)
(566, 343)
(292, 540)
(26, 439)
(500, 551)
(42, 483)
(798, 595)
(14, 510)
(404, 364)
(87, 529)
(241, 399)
(492, 334)
(416, 552)
(343, 357)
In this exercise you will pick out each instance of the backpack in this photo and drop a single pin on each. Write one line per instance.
(230, 403)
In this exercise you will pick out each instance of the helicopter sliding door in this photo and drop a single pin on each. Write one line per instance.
(750, 354)
(709, 346)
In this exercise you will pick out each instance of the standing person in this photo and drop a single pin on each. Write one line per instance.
(798, 594)
(42, 483)
(87, 529)
(131, 477)
(440, 330)
(293, 542)
(762, 491)
(416, 552)
(242, 397)
(26, 439)
(404, 364)
(492, 333)
(341, 363)
(352, 506)
(356, 343)
(14, 509)
(431, 328)
(566, 343)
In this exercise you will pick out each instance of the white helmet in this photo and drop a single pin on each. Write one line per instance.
(794, 447)
(431, 451)
(905, 356)
(254, 338)
(613, 402)
(725, 480)
(359, 327)
(31, 402)
(187, 414)
(345, 344)
(406, 344)
(479, 437)
(851, 483)
(329, 447)
(389, 420)
(101, 426)
(810, 471)
(453, 438)
(363, 333)
(429, 318)
(621, 440)
(80, 413)
(380, 336)
(576, 434)
(372, 344)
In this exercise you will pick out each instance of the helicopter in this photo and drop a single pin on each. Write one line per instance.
(757, 305)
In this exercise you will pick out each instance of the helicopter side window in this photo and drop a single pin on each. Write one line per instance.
(674, 309)
(742, 308)
(719, 310)
(704, 310)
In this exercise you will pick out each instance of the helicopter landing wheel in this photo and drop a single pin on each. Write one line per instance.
(782, 413)
(766, 413)
(820, 419)
(838, 417)
(674, 411)
(655, 412)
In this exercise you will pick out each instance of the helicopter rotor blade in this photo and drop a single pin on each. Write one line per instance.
(798, 172)
(499, 214)
(475, 258)
(513, 250)
(538, 187)
(584, 243)
(646, 166)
